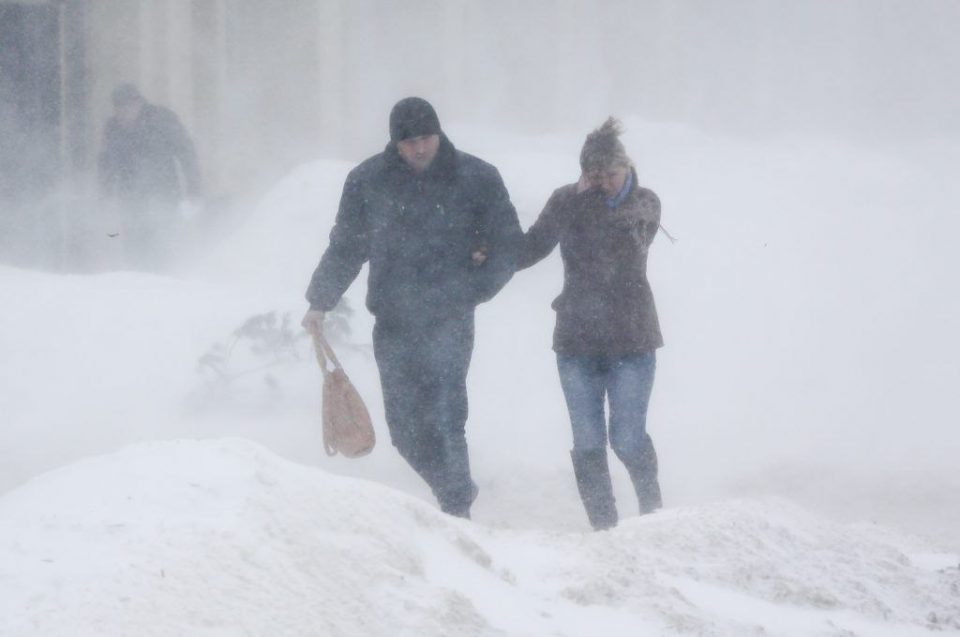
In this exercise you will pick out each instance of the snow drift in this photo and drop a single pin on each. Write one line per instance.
(226, 538)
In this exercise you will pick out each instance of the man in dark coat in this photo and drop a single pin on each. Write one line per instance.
(148, 165)
(441, 236)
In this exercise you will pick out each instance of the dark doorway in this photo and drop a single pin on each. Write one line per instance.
(30, 124)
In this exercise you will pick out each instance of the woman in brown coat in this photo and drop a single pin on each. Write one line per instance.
(607, 330)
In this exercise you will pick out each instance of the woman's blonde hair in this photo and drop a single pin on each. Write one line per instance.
(603, 147)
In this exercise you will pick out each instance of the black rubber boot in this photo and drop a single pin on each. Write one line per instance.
(596, 490)
(642, 467)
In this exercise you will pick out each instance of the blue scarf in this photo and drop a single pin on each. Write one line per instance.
(618, 199)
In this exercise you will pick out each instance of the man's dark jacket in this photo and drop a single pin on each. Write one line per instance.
(140, 162)
(418, 232)
(606, 306)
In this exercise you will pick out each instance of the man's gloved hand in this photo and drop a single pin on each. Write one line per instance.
(313, 322)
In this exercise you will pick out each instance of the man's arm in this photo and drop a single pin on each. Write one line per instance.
(349, 248)
(186, 154)
(495, 260)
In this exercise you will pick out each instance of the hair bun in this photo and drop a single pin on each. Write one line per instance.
(603, 148)
(613, 127)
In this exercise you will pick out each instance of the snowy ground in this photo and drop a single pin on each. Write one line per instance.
(803, 413)
(226, 538)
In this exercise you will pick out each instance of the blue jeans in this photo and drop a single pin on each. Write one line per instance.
(626, 381)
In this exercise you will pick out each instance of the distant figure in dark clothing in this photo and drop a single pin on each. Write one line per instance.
(148, 166)
(441, 236)
(607, 330)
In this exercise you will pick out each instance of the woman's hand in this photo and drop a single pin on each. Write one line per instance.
(585, 183)
(479, 255)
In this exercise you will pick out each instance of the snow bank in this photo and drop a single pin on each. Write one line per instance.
(276, 249)
(225, 538)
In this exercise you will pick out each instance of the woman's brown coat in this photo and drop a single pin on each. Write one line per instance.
(606, 306)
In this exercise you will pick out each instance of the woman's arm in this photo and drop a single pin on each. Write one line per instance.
(641, 218)
(542, 237)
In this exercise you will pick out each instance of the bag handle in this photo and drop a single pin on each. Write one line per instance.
(324, 352)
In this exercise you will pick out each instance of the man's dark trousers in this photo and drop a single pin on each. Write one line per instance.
(423, 372)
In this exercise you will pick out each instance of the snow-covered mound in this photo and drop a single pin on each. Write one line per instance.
(223, 537)
(278, 245)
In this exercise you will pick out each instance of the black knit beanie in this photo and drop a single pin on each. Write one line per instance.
(126, 93)
(413, 117)
(603, 148)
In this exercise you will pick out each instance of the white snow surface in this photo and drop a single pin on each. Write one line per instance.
(804, 415)
(226, 538)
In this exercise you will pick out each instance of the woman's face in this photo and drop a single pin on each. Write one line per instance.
(609, 179)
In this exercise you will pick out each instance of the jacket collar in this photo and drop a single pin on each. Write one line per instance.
(625, 191)
(596, 197)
